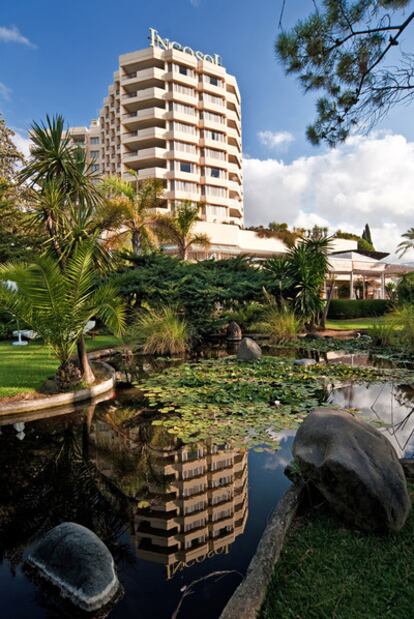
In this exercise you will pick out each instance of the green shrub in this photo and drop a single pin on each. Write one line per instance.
(280, 324)
(246, 315)
(358, 308)
(405, 289)
(404, 322)
(161, 331)
(382, 333)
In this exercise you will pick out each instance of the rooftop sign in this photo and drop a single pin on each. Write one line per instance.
(157, 41)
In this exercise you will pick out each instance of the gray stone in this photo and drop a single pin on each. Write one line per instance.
(233, 332)
(355, 468)
(304, 362)
(74, 559)
(248, 350)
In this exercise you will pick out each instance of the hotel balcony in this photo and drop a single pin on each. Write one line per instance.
(235, 187)
(185, 80)
(206, 123)
(145, 155)
(143, 98)
(152, 136)
(181, 136)
(173, 95)
(178, 196)
(145, 173)
(143, 77)
(183, 156)
(236, 169)
(217, 91)
(213, 107)
(216, 200)
(182, 117)
(216, 144)
(144, 117)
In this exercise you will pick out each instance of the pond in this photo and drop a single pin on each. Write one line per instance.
(173, 516)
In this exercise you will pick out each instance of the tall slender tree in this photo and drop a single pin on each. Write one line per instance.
(65, 200)
(132, 210)
(178, 228)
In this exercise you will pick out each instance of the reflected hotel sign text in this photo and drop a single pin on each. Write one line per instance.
(157, 41)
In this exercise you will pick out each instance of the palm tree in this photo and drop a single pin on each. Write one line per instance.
(178, 227)
(307, 267)
(132, 210)
(404, 246)
(57, 303)
(64, 199)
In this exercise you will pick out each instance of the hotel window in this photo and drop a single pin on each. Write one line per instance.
(183, 147)
(197, 507)
(214, 100)
(214, 81)
(94, 140)
(215, 118)
(183, 70)
(216, 212)
(220, 192)
(185, 166)
(183, 109)
(214, 135)
(195, 525)
(186, 186)
(183, 128)
(184, 90)
(215, 172)
(95, 154)
(95, 167)
(215, 154)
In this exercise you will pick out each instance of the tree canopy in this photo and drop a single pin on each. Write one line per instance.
(343, 50)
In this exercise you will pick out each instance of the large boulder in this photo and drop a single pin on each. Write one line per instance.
(75, 560)
(233, 332)
(355, 468)
(248, 350)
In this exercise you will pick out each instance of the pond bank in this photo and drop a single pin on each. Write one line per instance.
(62, 399)
(329, 570)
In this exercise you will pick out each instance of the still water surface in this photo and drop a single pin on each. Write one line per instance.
(172, 516)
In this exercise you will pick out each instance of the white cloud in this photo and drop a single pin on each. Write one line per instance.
(368, 179)
(5, 92)
(275, 139)
(195, 3)
(22, 142)
(13, 35)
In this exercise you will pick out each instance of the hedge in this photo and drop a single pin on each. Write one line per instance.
(358, 308)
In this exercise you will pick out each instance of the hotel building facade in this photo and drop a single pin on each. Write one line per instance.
(173, 114)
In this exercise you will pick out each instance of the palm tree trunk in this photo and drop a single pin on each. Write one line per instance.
(87, 374)
(328, 302)
(136, 243)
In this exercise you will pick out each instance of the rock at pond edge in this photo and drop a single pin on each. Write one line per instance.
(355, 468)
(249, 350)
(75, 560)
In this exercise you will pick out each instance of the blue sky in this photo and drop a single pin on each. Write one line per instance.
(78, 42)
(60, 56)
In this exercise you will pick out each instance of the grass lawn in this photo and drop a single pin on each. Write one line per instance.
(354, 323)
(329, 571)
(24, 368)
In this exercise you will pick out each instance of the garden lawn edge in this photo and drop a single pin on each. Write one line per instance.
(61, 399)
(249, 595)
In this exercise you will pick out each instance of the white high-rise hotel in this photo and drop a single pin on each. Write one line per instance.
(173, 113)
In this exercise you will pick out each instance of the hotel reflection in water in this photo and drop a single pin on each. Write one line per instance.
(194, 505)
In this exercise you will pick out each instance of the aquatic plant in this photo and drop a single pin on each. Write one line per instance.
(243, 404)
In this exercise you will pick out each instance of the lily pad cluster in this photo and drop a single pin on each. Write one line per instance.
(245, 404)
